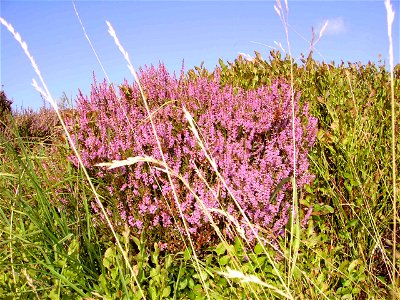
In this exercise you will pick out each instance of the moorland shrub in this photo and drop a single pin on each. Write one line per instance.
(42, 126)
(5, 110)
(248, 133)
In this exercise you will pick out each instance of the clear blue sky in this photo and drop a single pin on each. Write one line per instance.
(166, 31)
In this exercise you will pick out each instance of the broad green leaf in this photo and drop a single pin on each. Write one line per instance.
(220, 249)
(166, 291)
(152, 292)
(183, 284)
(224, 260)
(258, 249)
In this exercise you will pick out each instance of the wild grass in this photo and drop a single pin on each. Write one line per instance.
(347, 250)
(390, 19)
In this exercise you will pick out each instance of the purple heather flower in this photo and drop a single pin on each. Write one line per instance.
(248, 133)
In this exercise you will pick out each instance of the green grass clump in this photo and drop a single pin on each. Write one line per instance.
(45, 251)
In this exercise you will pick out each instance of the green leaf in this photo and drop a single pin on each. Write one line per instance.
(103, 282)
(154, 255)
(61, 262)
(166, 291)
(109, 253)
(191, 283)
(137, 242)
(187, 255)
(238, 245)
(183, 284)
(209, 260)
(204, 275)
(224, 260)
(152, 292)
(220, 249)
(198, 290)
(53, 294)
(168, 261)
(343, 266)
(221, 63)
(353, 223)
(114, 273)
(261, 260)
(258, 249)
(352, 265)
(109, 256)
(279, 187)
(73, 246)
(329, 209)
(155, 271)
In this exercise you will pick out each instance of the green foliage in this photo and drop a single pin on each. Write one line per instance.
(154, 273)
(251, 263)
(46, 252)
(160, 275)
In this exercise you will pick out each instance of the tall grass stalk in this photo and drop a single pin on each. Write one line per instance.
(214, 166)
(375, 235)
(90, 42)
(295, 232)
(44, 217)
(165, 169)
(132, 129)
(10, 235)
(125, 54)
(47, 96)
(390, 20)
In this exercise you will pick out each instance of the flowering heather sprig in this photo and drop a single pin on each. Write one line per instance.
(248, 133)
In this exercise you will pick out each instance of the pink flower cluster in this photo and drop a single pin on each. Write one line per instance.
(248, 133)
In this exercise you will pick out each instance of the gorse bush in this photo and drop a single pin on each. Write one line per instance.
(248, 133)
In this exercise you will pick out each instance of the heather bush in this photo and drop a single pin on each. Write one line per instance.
(248, 134)
(34, 126)
(39, 124)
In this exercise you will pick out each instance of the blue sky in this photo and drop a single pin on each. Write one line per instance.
(170, 31)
